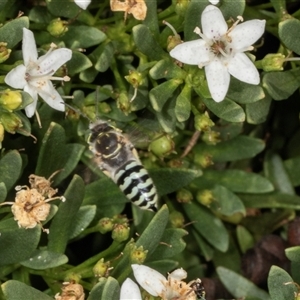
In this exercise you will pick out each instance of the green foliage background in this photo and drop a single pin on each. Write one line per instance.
(248, 161)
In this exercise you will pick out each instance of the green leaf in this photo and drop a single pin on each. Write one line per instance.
(65, 218)
(239, 181)
(240, 147)
(275, 171)
(173, 237)
(243, 93)
(105, 57)
(272, 200)
(82, 36)
(44, 259)
(78, 63)
(146, 43)
(293, 253)
(183, 104)
(281, 85)
(258, 112)
(12, 32)
(16, 290)
(292, 167)
(226, 110)
(208, 225)
(228, 203)
(245, 239)
(160, 94)
(287, 31)
(151, 20)
(10, 168)
(106, 288)
(276, 283)
(166, 68)
(83, 219)
(239, 286)
(17, 244)
(3, 192)
(169, 180)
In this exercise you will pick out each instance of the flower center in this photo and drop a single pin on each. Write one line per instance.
(219, 48)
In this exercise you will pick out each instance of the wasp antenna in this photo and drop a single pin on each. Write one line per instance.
(78, 111)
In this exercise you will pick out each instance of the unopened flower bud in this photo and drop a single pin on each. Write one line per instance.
(120, 219)
(101, 268)
(211, 137)
(135, 78)
(123, 103)
(176, 219)
(205, 197)
(4, 52)
(105, 225)
(120, 233)
(138, 255)
(162, 146)
(104, 108)
(203, 122)
(181, 7)
(10, 100)
(57, 27)
(184, 196)
(204, 160)
(10, 121)
(72, 277)
(272, 62)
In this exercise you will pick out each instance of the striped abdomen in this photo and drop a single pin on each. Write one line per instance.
(133, 179)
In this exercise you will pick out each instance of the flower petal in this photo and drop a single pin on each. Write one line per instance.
(214, 2)
(29, 47)
(192, 52)
(83, 3)
(30, 109)
(51, 61)
(246, 34)
(51, 96)
(16, 77)
(149, 279)
(218, 80)
(178, 274)
(213, 23)
(242, 68)
(130, 291)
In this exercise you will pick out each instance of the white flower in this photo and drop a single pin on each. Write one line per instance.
(220, 51)
(167, 289)
(214, 2)
(83, 3)
(130, 291)
(36, 73)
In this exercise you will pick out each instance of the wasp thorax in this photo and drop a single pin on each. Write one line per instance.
(108, 144)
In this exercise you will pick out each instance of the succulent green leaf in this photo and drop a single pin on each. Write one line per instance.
(3, 192)
(65, 218)
(183, 104)
(44, 259)
(17, 244)
(292, 167)
(169, 180)
(10, 168)
(240, 147)
(293, 253)
(208, 225)
(257, 112)
(106, 288)
(16, 290)
(146, 43)
(281, 85)
(166, 68)
(278, 288)
(239, 286)
(12, 32)
(78, 63)
(83, 219)
(105, 58)
(245, 239)
(239, 181)
(287, 31)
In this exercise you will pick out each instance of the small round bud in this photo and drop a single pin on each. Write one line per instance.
(123, 103)
(205, 197)
(105, 225)
(72, 277)
(138, 255)
(204, 160)
(135, 78)
(10, 100)
(203, 122)
(176, 219)
(101, 268)
(120, 233)
(10, 122)
(211, 137)
(162, 146)
(104, 108)
(4, 52)
(272, 62)
(181, 7)
(57, 27)
(184, 196)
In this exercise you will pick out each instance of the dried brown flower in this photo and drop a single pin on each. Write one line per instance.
(70, 291)
(137, 8)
